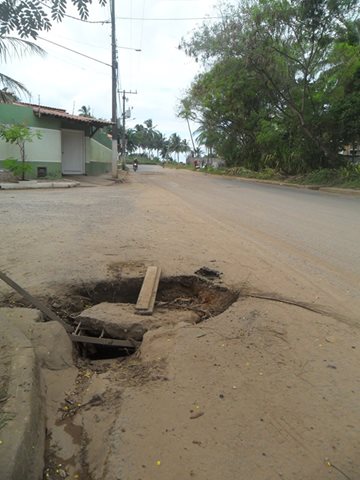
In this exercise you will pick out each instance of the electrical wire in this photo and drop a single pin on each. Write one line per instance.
(76, 18)
(168, 19)
(75, 51)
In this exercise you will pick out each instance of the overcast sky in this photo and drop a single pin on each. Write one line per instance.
(160, 73)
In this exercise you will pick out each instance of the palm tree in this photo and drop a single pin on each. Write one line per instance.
(149, 123)
(85, 111)
(186, 112)
(164, 151)
(14, 47)
(131, 140)
(207, 135)
(158, 142)
(175, 145)
(184, 146)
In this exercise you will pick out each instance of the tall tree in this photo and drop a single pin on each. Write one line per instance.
(286, 49)
(186, 111)
(29, 17)
(175, 145)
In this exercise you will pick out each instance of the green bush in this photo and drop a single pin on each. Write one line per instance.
(19, 169)
(345, 176)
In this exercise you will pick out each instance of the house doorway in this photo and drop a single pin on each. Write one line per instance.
(72, 148)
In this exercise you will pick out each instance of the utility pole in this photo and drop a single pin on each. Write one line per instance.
(114, 68)
(123, 139)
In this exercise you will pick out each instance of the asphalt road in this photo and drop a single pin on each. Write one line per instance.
(316, 233)
(275, 376)
(297, 242)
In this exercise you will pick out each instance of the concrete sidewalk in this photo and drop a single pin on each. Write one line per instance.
(31, 184)
(103, 180)
(22, 414)
(27, 346)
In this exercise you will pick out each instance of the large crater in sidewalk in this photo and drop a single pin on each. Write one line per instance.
(174, 293)
(107, 308)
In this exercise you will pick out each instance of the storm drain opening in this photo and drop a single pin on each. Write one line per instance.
(102, 352)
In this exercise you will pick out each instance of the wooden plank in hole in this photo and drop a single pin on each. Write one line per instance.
(146, 300)
(110, 342)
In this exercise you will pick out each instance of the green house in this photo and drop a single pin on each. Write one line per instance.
(69, 144)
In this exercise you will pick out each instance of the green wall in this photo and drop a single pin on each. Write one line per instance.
(44, 149)
(53, 169)
(10, 113)
(101, 137)
(98, 157)
(46, 152)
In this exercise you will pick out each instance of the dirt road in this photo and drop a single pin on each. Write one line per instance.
(266, 390)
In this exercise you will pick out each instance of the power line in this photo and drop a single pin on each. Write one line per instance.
(75, 51)
(83, 54)
(168, 19)
(102, 22)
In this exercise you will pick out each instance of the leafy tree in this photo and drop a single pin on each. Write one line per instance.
(279, 73)
(18, 134)
(29, 17)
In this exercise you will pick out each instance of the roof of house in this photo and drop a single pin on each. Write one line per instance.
(40, 110)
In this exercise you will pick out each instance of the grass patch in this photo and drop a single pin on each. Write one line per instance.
(347, 176)
(344, 177)
(266, 174)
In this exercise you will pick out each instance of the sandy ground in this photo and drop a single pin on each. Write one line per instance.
(266, 390)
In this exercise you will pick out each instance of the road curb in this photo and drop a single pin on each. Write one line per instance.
(22, 438)
(35, 185)
(321, 188)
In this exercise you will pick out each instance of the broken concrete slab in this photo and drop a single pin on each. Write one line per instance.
(119, 320)
(27, 344)
(22, 415)
(22, 317)
(53, 347)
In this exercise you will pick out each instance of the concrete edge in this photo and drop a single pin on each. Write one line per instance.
(336, 190)
(22, 438)
(37, 185)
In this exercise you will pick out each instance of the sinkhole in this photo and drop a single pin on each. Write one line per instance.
(185, 298)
